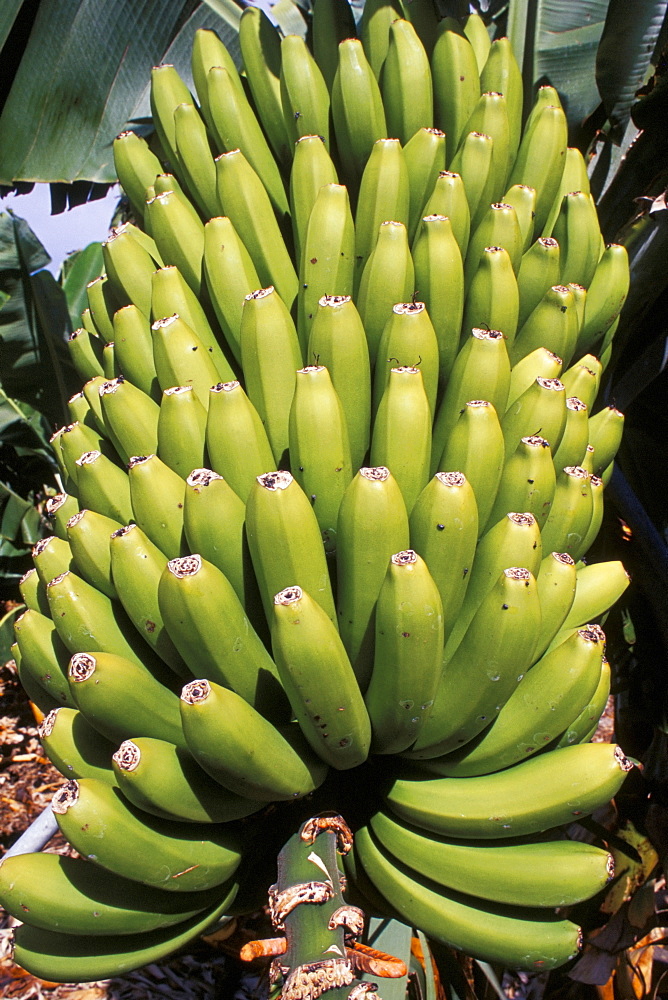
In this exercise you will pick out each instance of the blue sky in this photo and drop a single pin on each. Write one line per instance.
(71, 230)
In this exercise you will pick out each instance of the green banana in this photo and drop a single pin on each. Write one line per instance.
(76, 440)
(502, 73)
(51, 556)
(556, 592)
(405, 83)
(67, 958)
(480, 676)
(597, 487)
(136, 568)
(131, 416)
(304, 91)
(542, 873)
(43, 655)
(357, 108)
(582, 728)
(236, 441)
(72, 896)
(542, 705)
(209, 51)
(136, 167)
(401, 436)
(246, 203)
(103, 304)
(499, 226)
(388, 277)
(74, 747)
(208, 625)
(129, 267)
(120, 697)
(583, 379)
(490, 117)
(285, 541)
(456, 82)
(475, 30)
(103, 487)
(338, 341)
(519, 938)
(475, 447)
(539, 363)
(448, 198)
(606, 295)
(33, 592)
(598, 586)
(319, 447)
(234, 126)
(88, 533)
(541, 409)
(574, 177)
(605, 435)
(85, 351)
(481, 370)
(408, 653)
(527, 482)
(577, 232)
(408, 338)
(244, 752)
(374, 30)
(574, 439)
(59, 509)
(179, 236)
(157, 502)
(214, 523)
(515, 538)
(194, 152)
(260, 45)
(181, 430)
(109, 365)
(331, 23)
(439, 280)
(552, 324)
(312, 168)
(133, 347)
(270, 356)
(473, 162)
(171, 293)
(230, 276)
(538, 271)
(523, 199)
(328, 255)
(536, 795)
(163, 779)
(179, 857)
(493, 297)
(319, 680)
(182, 359)
(372, 525)
(444, 531)
(540, 160)
(167, 91)
(384, 195)
(424, 156)
(570, 514)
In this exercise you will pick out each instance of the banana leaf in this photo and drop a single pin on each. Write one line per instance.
(76, 86)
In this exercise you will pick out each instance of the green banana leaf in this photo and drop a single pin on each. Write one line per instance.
(625, 55)
(394, 938)
(77, 84)
(556, 43)
(78, 269)
(8, 13)
(34, 322)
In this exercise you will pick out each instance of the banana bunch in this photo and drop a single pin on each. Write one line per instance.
(327, 492)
